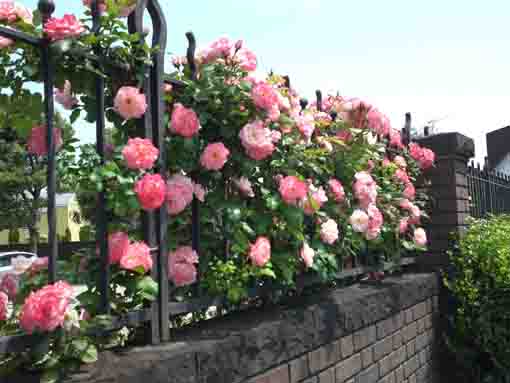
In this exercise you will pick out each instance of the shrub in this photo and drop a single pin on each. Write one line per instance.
(480, 284)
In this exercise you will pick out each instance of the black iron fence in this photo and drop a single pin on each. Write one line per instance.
(155, 226)
(489, 191)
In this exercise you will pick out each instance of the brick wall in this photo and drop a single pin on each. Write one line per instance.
(358, 334)
(398, 349)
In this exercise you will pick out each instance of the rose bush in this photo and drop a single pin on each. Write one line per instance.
(282, 189)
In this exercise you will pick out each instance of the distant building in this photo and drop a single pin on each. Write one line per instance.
(68, 221)
(498, 150)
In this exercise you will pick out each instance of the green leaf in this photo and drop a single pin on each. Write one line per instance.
(147, 288)
(89, 355)
(50, 376)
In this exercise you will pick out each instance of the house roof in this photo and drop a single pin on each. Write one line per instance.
(498, 145)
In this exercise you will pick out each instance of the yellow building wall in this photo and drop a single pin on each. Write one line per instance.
(64, 221)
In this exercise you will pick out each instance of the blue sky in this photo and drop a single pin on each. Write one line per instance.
(437, 59)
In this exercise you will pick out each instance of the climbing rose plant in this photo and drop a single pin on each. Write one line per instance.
(282, 188)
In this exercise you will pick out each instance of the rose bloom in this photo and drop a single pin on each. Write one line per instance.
(375, 222)
(400, 162)
(401, 175)
(307, 253)
(220, 48)
(247, 60)
(427, 159)
(359, 220)
(214, 156)
(9, 285)
(63, 28)
(420, 237)
(244, 186)
(378, 122)
(292, 189)
(140, 153)
(365, 189)
(403, 225)
(7, 11)
(65, 96)
(138, 254)
(314, 201)
(118, 243)
(179, 193)
(151, 191)
(130, 103)
(39, 264)
(344, 135)
(409, 191)
(257, 140)
(45, 309)
(184, 121)
(306, 124)
(4, 301)
(395, 139)
(36, 143)
(260, 252)
(264, 96)
(386, 162)
(181, 266)
(329, 232)
(336, 188)
(5, 42)
(199, 192)
(20, 264)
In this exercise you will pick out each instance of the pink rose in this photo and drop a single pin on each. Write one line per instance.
(365, 189)
(276, 136)
(292, 189)
(4, 300)
(378, 123)
(260, 252)
(359, 221)
(151, 191)
(420, 237)
(36, 142)
(344, 135)
(409, 191)
(264, 96)
(395, 139)
(427, 158)
(63, 28)
(9, 285)
(180, 192)
(5, 42)
(257, 140)
(405, 204)
(329, 232)
(315, 200)
(138, 254)
(220, 48)
(140, 153)
(199, 192)
(306, 124)
(336, 188)
(375, 222)
(386, 162)
(307, 253)
(184, 121)
(118, 243)
(401, 175)
(247, 60)
(214, 156)
(45, 309)
(244, 186)
(400, 162)
(403, 225)
(7, 11)
(130, 103)
(65, 96)
(39, 264)
(181, 266)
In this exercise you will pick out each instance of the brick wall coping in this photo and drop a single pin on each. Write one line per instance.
(236, 347)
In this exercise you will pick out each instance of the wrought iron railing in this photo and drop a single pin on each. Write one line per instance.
(155, 225)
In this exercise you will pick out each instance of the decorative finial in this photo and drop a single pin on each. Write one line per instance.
(287, 81)
(46, 8)
(318, 94)
(190, 54)
(303, 103)
(333, 115)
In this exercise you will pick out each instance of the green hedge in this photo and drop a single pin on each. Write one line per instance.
(480, 286)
